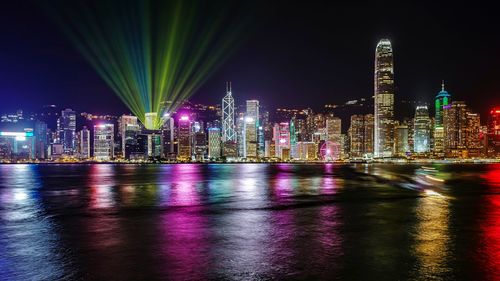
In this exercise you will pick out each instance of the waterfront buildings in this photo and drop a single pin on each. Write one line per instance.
(361, 136)
(104, 142)
(401, 147)
(67, 130)
(228, 126)
(184, 137)
(461, 131)
(384, 100)
(125, 122)
(84, 143)
(251, 129)
(214, 143)
(493, 133)
(422, 130)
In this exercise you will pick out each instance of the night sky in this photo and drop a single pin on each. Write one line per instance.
(293, 56)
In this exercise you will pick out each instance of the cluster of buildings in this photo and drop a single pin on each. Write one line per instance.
(249, 133)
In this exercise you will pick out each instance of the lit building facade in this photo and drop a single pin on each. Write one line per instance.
(384, 99)
(123, 122)
(281, 139)
(67, 130)
(184, 139)
(104, 142)
(333, 129)
(401, 140)
(421, 130)
(84, 137)
(442, 100)
(251, 129)
(361, 136)
(461, 131)
(214, 143)
(228, 126)
(493, 133)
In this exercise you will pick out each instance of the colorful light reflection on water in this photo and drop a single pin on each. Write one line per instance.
(249, 222)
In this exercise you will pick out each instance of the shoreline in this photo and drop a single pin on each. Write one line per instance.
(395, 162)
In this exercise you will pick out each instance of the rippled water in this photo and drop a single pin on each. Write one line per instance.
(249, 222)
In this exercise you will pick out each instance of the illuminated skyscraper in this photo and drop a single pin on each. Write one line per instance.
(104, 142)
(122, 126)
(67, 130)
(84, 143)
(461, 131)
(443, 98)
(401, 140)
(228, 129)
(384, 99)
(493, 135)
(251, 129)
(214, 143)
(421, 130)
(150, 120)
(361, 136)
(184, 137)
(333, 129)
(168, 131)
(282, 139)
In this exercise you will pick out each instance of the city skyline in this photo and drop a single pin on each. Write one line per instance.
(316, 71)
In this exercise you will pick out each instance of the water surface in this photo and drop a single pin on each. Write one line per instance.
(249, 222)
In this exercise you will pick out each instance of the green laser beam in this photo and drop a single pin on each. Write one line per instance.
(153, 54)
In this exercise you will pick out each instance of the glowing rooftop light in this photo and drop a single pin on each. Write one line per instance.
(184, 118)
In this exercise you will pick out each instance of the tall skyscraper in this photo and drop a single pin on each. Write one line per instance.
(461, 131)
(84, 143)
(422, 130)
(129, 138)
(41, 139)
(384, 99)
(184, 137)
(333, 129)
(241, 135)
(251, 129)
(281, 138)
(361, 136)
(123, 122)
(228, 129)
(401, 140)
(104, 142)
(442, 99)
(214, 143)
(493, 133)
(169, 138)
(67, 130)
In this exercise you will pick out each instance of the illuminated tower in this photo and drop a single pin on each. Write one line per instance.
(384, 99)
(67, 130)
(228, 132)
(421, 130)
(84, 143)
(184, 137)
(443, 98)
(251, 128)
(214, 147)
(104, 142)
(123, 122)
(150, 120)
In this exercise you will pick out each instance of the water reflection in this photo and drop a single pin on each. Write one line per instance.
(227, 222)
(29, 244)
(489, 249)
(432, 238)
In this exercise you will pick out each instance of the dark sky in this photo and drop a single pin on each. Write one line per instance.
(296, 55)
